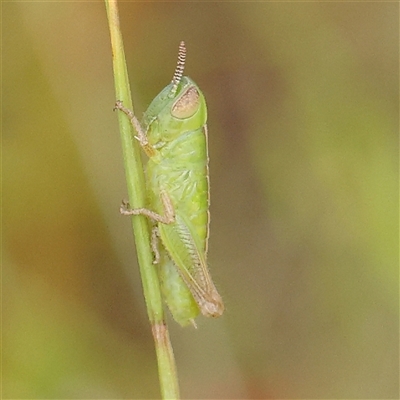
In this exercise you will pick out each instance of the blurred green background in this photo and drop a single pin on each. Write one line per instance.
(303, 102)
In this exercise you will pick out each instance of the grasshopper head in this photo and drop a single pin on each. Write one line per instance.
(178, 108)
(184, 91)
(187, 101)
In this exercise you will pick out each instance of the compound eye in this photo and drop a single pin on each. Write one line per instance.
(187, 104)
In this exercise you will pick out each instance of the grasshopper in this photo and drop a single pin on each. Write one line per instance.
(173, 134)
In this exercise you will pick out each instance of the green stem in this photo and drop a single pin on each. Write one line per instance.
(136, 191)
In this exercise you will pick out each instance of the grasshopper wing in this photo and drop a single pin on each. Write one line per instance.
(183, 247)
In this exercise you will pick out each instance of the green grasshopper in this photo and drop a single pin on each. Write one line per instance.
(173, 135)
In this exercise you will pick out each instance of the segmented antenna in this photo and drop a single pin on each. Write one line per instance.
(180, 66)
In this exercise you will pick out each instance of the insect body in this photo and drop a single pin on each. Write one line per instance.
(174, 137)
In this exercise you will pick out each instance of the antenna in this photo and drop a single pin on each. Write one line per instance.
(180, 66)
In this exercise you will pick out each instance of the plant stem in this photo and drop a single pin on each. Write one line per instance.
(137, 196)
